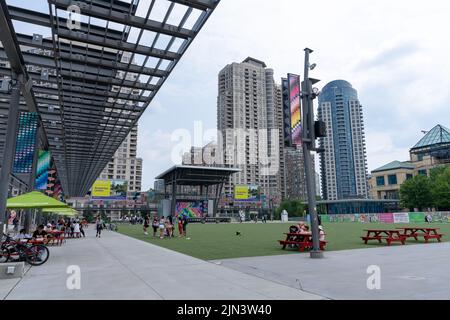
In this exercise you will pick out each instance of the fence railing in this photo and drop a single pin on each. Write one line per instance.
(399, 217)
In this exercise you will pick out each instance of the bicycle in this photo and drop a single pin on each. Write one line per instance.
(33, 254)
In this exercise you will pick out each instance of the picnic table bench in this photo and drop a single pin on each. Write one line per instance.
(302, 240)
(426, 233)
(383, 234)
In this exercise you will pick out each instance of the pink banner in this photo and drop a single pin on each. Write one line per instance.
(386, 217)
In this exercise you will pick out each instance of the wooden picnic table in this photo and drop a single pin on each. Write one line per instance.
(303, 240)
(384, 234)
(58, 237)
(426, 233)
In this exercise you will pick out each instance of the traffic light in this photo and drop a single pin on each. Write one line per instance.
(320, 130)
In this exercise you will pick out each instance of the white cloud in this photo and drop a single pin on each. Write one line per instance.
(154, 147)
(382, 150)
(394, 53)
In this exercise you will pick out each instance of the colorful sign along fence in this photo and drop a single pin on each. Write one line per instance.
(400, 217)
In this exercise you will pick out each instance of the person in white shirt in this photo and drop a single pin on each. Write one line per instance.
(22, 235)
(76, 229)
(321, 234)
(162, 227)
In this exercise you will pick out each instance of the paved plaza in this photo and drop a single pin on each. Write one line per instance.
(119, 267)
(407, 272)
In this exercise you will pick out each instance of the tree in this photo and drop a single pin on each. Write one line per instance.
(440, 187)
(295, 208)
(416, 193)
(89, 215)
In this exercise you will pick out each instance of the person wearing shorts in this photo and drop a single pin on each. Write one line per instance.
(99, 227)
(162, 227)
(155, 225)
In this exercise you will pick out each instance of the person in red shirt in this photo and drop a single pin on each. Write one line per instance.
(180, 226)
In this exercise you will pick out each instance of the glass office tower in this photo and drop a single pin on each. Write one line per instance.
(344, 161)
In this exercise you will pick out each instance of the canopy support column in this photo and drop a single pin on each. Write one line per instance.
(9, 150)
(216, 200)
(174, 197)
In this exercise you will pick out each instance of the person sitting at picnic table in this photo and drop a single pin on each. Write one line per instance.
(22, 235)
(40, 233)
(321, 234)
(301, 227)
(306, 229)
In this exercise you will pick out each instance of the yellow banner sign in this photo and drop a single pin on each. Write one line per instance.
(101, 188)
(241, 192)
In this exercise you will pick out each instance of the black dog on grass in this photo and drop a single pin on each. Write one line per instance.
(238, 233)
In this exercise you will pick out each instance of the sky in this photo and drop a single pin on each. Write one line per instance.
(394, 53)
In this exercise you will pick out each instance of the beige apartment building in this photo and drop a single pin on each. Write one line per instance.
(385, 182)
(431, 151)
(249, 99)
(125, 165)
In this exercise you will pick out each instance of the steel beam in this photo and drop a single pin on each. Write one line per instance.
(79, 92)
(198, 4)
(99, 12)
(117, 45)
(9, 150)
(44, 20)
(78, 65)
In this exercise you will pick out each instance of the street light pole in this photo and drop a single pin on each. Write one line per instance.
(309, 144)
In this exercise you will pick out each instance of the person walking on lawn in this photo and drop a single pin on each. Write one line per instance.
(185, 223)
(146, 224)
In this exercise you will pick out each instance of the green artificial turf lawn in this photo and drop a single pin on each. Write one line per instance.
(219, 241)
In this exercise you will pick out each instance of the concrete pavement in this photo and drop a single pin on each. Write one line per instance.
(407, 272)
(119, 267)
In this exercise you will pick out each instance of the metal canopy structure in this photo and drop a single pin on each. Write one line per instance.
(196, 176)
(95, 72)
